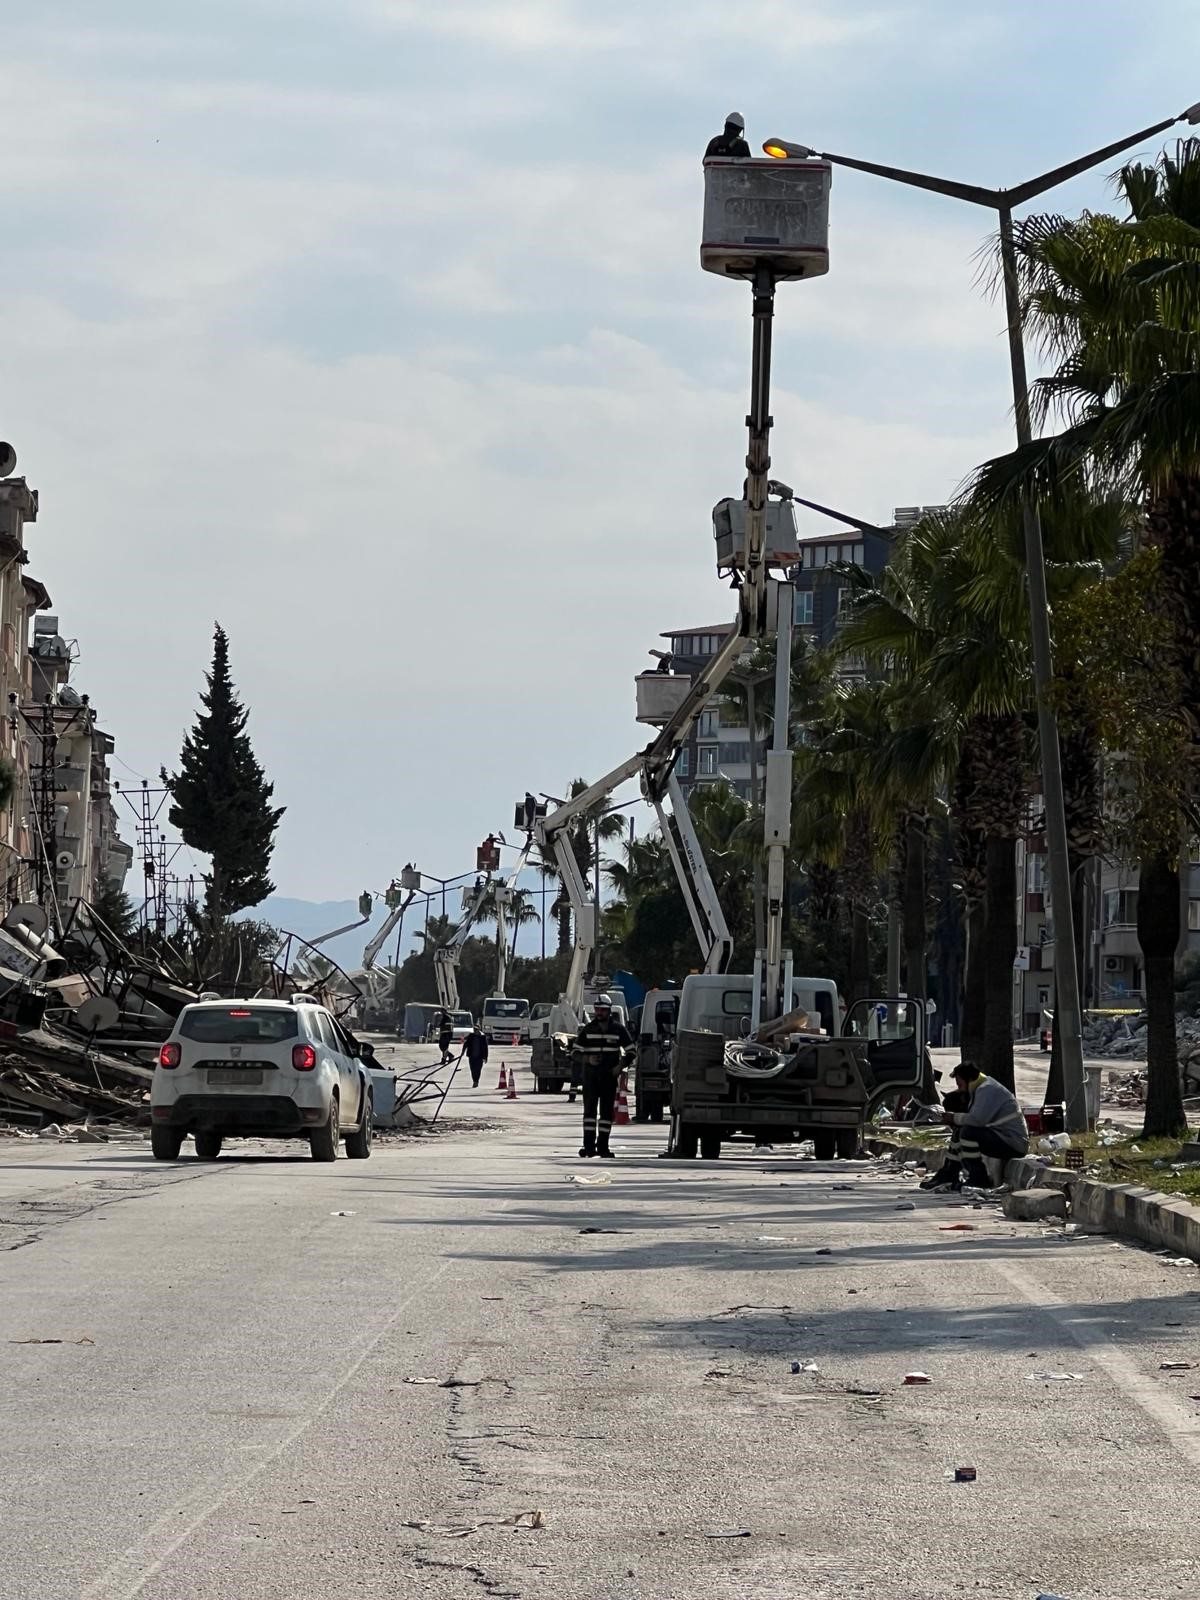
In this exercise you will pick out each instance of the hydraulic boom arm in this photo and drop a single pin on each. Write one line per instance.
(446, 956)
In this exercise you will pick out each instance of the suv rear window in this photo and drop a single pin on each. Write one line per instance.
(239, 1025)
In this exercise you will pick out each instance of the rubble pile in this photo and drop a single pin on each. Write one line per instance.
(47, 1077)
(1125, 1089)
(1115, 1036)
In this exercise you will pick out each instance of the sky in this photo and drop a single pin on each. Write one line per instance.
(375, 330)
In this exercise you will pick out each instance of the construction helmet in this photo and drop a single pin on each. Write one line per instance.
(604, 1001)
(735, 119)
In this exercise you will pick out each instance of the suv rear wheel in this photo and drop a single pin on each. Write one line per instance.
(358, 1143)
(208, 1144)
(323, 1142)
(165, 1143)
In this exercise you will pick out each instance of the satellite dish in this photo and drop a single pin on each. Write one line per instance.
(28, 916)
(98, 1015)
(64, 861)
(8, 459)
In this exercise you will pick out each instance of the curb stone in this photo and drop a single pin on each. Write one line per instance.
(1166, 1220)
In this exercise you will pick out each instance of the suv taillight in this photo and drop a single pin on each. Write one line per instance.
(304, 1057)
(169, 1055)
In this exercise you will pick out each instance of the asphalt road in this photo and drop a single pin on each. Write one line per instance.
(234, 1410)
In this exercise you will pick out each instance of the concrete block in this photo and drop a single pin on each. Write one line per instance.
(1035, 1205)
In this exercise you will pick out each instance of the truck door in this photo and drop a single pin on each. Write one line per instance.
(894, 1033)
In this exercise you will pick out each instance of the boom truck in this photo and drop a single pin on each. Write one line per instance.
(759, 1053)
(506, 1018)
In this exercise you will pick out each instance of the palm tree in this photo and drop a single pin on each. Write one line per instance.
(944, 617)
(1116, 305)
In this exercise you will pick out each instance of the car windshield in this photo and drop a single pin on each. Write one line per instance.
(506, 1008)
(238, 1025)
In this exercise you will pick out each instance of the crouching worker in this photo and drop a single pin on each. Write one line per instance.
(985, 1120)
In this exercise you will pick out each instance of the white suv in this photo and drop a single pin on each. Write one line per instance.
(275, 1069)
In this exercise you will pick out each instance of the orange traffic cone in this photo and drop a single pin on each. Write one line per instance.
(503, 1084)
(512, 1085)
(621, 1115)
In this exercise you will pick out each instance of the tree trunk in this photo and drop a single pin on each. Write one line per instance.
(760, 918)
(1055, 1089)
(973, 1000)
(1000, 951)
(1158, 935)
(915, 979)
(860, 954)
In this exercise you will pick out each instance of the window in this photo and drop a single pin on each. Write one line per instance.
(1035, 874)
(856, 554)
(707, 724)
(707, 767)
(1194, 853)
(238, 1024)
(820, 554)
(1194, 916)
(843, 602)
(804, 608)
(735, 755)
(1120, 908)
(683, 767)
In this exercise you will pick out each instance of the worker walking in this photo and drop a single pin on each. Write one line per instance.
(446, 1036)
(733, 141)
(476, 1052)
(601, 1043)
(985, 1120)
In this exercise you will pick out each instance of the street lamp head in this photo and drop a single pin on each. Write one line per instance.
(785, 150)
(1192, 114)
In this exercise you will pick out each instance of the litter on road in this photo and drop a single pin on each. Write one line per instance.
(913, 1378)
(1054, 1377)
(957, 1227)
(728, 1533)
(1175, 1366)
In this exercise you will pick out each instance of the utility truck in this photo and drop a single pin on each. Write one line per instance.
(813, 1073)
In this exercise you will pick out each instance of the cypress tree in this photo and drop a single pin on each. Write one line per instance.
(221, 797)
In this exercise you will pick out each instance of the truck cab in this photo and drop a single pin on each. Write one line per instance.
(816, 1073)
(655, 1041)
(505, 1020)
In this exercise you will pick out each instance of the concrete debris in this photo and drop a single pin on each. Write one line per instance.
(905, 1205)
(911, 1379)
(1035, 1205)
(461, 1530)
(1175, 1366)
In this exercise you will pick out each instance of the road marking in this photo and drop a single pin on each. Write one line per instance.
(1178, 1425)
(134, 1568)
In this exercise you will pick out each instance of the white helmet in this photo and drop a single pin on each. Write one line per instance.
(735, 119)
(605, 1001)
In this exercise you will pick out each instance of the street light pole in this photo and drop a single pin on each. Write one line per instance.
(1068, 1018)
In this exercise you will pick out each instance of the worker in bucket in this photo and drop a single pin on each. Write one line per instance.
(733, 141)
(476, 1051)
(600, 1044)
(985, 1120)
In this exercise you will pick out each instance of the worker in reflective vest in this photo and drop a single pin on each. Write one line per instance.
(601, 1043)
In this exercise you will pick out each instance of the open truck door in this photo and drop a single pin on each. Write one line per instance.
(893, 1031)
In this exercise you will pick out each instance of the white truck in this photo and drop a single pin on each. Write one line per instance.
(505, 1020)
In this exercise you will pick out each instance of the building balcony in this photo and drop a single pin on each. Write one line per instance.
(1120, 939)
